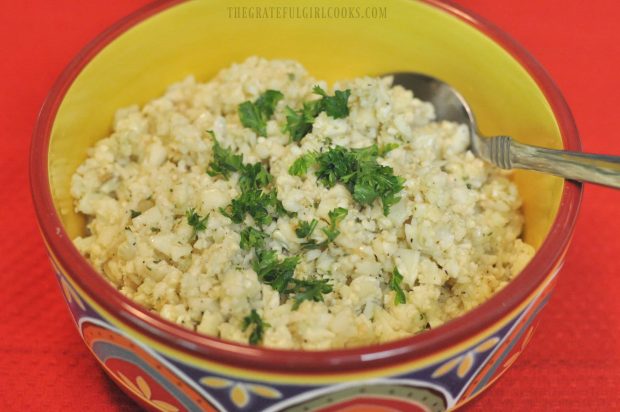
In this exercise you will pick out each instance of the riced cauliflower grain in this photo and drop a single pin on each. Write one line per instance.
(454, 235)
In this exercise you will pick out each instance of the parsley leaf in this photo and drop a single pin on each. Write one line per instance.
(336, 105)
(254, 115)
(254, 176)
(259, 204)
(252, 238)
(305, 229)
(335, 165)
(251, 118)
(274, 272)
(335, 216)
(299, 122)
(378, 181)
(135, 213)
(255, 203)
(224, 161)
(278, 273)
(195, 220)
(301, 164)
(309, 290)
(359, 171)
(394, 285)
(259, 327)
(387, 148)
(267, 102)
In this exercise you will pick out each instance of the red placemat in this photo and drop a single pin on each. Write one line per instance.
(573, 362)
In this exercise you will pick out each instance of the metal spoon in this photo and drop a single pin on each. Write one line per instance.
(504, 152)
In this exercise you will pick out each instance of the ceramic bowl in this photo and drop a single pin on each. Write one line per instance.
(166, 367)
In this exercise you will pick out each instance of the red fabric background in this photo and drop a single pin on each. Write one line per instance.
(573, 362)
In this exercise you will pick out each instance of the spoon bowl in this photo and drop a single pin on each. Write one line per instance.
(503, 151)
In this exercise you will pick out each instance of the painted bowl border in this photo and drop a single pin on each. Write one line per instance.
(289, 361)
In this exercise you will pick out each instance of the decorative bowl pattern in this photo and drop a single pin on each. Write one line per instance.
(166, 367)
(161, 378)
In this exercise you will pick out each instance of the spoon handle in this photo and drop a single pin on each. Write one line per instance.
(585, 167)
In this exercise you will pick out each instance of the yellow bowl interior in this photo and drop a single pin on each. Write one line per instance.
(200, 38)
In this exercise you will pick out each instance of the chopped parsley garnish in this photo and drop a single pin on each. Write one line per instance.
(224, 161)
(256, 336)
(360, 172)
(331, 231)
(252, 238)
(387, 148)
(268, 101)
(335, 216)
(135, 213)
(299, 122)
(394, 285)
(254, 176)
(195, 220)
(256, 203)
(254, 115)
(309, 290)
(278, 273)
(305, 229)
(300, 166)
(336, 105)
(273, 271)
(252, 119)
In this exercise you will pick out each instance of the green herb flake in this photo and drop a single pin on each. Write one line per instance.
(301, 164)
(254, 176)
(394, 285)
(155, 229)
(196, 221)
(335, 106)
(331, 231)
(305, 229)
(260, 204)
(312, 244)
(252, 238)
(335, 217)
(258, 330)
(312, 290)
(251, 118)
(254, 115)
(337, 164)
(256, 203)
(267, 102)
(299, 123)
(387, 148)
(273, 271)
(134, 213)
(359, 171)
(224, 161)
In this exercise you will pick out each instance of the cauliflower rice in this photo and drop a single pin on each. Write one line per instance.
(454, 236)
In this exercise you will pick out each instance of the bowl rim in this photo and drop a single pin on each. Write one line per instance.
(296, 361)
